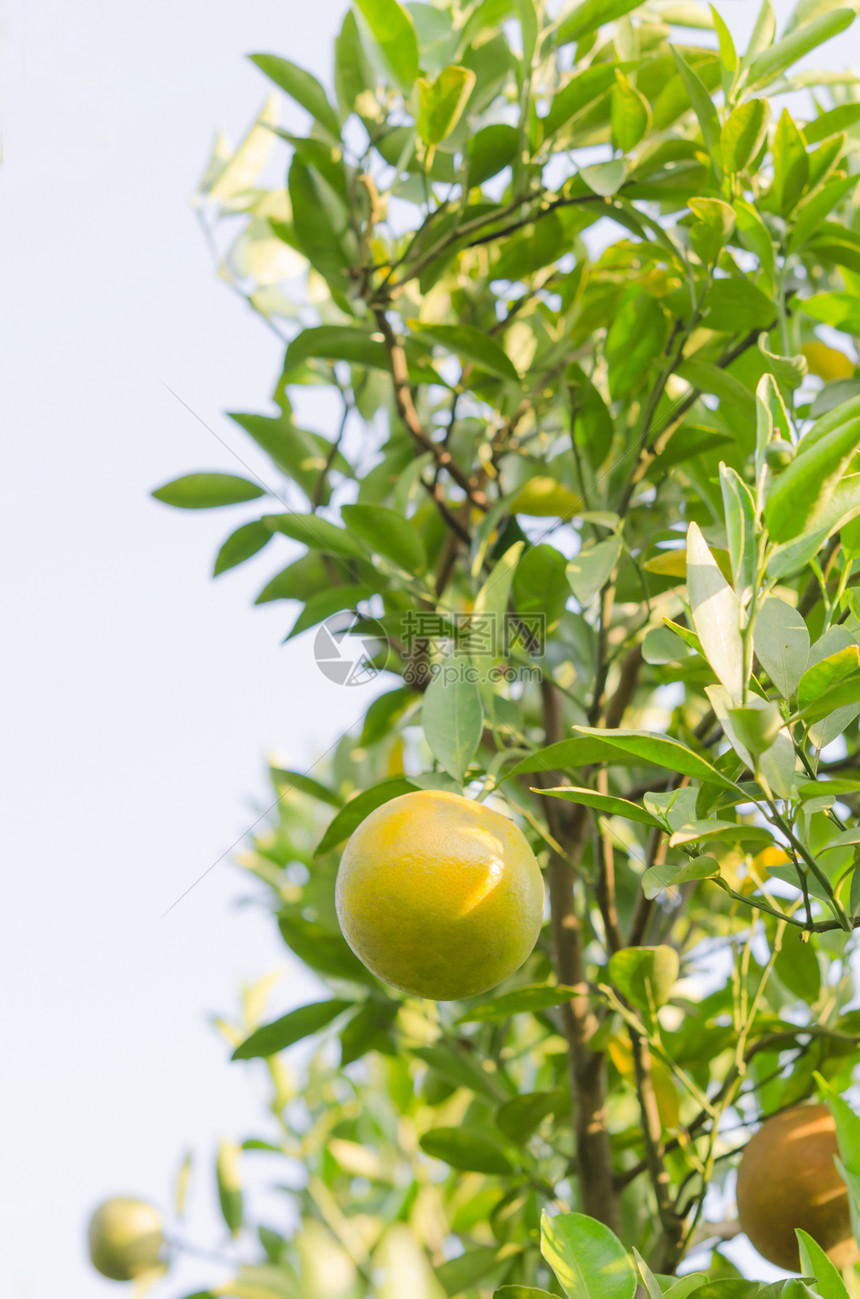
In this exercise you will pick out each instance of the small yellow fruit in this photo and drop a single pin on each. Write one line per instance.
(439, 896)
(125, 1238)
(787, 1179)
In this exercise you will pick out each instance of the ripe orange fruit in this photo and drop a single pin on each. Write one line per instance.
(439, 896)
(125, 1238)
(787, 1179)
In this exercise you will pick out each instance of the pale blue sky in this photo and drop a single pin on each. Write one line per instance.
(141, 697)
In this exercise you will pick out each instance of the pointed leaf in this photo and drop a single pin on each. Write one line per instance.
(799, 497)
(782, 644)
(716, 613)
(453, 720)
(241, 545)
(301, 86)
(588, 1259)
(283, 1032)
(620, 746)
(207, 491)
(465, 1150)
(441, 103)
(393, 30)
(354, 812)
(387, 533)
(608, 804)
(471, 345)
(743, 133)
(521, 1001)
(780, 56)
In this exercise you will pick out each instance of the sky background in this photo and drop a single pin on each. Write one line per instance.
(141, 698)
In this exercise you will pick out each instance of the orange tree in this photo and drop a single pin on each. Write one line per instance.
(584, 296)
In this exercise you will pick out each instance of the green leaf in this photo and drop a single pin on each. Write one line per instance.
(577, 94)
(296, 452)
(241, 545)
(589, 571)
(605, 178)
(814, 1262)
(703, 106)
(229, 1186)
(735, 303)
(368, 1030)
(813, 210)
(797, 967)
(301, 86)
(712, 379)
(441, 103)
(790, 166)
(826, 125)
(490, 150)
(620, 746)
(698, 831)
(716, 613)
(739, 509)
(645, 975)
(671, 875)
(394, 32)
(590, 15)
(755, 235)
(520, 1001)
(460, 1070)
(799, 497)
(471, 345)
(322, 604)
(841, 310)
(354, 812)
(207, 491)
(827, 672)
(769, 64)
(630, 114)
(305, 784)
(756, 726)
(540, 584)
(353, 75)
(283, 1032)
(847, 1124)
(635, 338)
(520, 1292)
(782, 644)
(298, 581)
(842, 695)
(385, 532)
(744, 133)
(453, 720)
(519, 1118)
(460, 1274)
(608, 804)
(465, 1150)
(320, 223)
(728, 54)
(588, 1259)
(317, 533)
(336, 343)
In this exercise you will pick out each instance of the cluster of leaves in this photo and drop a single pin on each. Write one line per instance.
(588, 311)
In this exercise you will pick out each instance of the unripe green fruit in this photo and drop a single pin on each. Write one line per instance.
(778, 455)
(125, 1238)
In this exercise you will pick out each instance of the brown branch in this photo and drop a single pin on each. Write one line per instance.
(587, 1068)
(409, 415)
(652, 1130)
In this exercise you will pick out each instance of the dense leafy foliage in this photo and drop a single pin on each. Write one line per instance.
(585, 293)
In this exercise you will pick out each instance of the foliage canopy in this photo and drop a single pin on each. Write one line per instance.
(584, 292)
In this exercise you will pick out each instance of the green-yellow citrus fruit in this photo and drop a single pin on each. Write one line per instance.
(439, 896)
(787, 1179)
(125, 1238)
